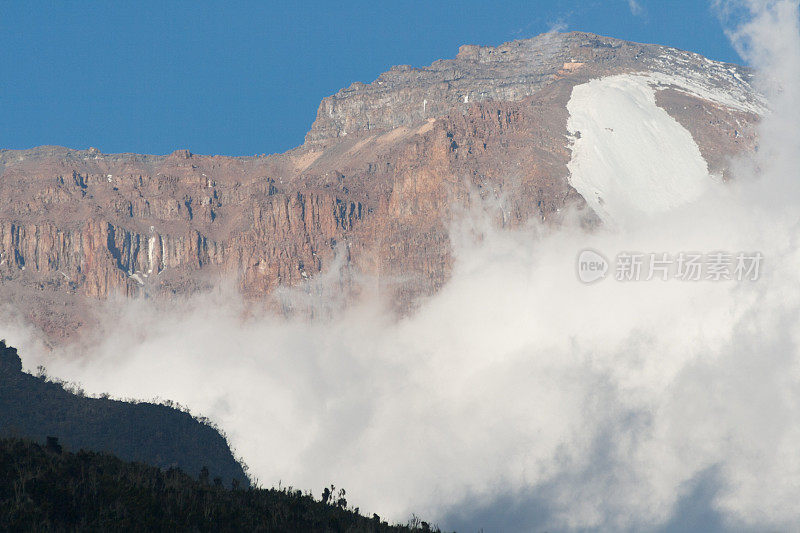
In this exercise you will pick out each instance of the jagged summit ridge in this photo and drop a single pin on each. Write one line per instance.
(407, 96)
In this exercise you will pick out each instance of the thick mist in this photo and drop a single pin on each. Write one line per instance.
(517, 386)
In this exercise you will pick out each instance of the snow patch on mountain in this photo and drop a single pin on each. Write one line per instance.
(630, 158)
(739, 96)
(722, 83)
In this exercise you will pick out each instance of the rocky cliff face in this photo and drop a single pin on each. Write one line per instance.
(375, 186)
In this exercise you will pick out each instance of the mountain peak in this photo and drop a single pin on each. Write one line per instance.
(406, 96)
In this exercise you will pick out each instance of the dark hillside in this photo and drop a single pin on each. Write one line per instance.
(42, 488)
(157, 435)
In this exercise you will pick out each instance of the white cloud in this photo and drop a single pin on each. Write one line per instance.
(601, 404)
(557, 26)
(636, 8)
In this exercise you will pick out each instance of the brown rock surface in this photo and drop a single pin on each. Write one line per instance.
(382, 171)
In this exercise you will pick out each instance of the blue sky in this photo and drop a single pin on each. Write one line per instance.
(246, 78)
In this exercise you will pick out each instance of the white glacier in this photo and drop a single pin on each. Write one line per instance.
(629, 157)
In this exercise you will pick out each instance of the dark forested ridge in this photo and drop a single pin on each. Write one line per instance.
(32, 407)
(45, 488)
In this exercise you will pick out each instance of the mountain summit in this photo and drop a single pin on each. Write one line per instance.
(376, 184)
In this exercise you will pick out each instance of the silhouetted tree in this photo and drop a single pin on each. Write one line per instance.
(87, 491)
(52, 445)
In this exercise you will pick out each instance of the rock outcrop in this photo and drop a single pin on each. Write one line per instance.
(384, 168)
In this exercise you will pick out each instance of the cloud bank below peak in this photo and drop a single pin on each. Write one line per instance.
(518, 397)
